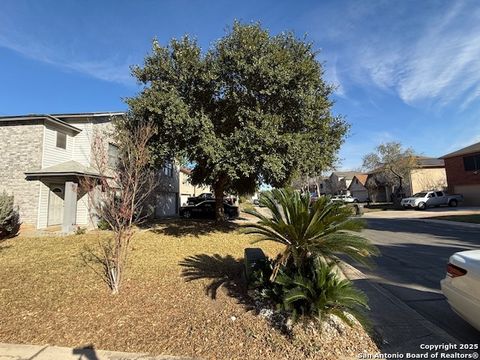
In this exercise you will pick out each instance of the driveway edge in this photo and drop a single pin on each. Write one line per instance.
(50, 352)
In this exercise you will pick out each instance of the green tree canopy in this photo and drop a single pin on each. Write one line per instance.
(253, 108)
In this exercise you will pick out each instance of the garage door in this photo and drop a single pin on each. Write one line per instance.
(166, 205)
(471, 194)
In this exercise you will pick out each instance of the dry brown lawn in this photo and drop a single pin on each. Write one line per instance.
(48, 295)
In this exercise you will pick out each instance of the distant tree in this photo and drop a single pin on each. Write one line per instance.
(253, 109)
(394, 161)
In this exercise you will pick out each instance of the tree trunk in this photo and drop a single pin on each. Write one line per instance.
(218, 189)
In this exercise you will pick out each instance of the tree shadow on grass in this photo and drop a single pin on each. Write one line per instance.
(223, 271)
(196, 227)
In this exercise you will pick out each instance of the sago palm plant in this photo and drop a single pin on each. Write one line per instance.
(322, 293)
(321, 229)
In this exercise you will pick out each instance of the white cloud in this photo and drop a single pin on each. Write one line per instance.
(107, 69)
(434, 59)
(332, 77)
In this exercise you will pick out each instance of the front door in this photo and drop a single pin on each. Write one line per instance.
(55, 204)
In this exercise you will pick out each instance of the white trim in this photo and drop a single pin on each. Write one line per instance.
(39, 182)
(43, 146)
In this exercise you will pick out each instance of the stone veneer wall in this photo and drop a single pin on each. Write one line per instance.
(20, 151)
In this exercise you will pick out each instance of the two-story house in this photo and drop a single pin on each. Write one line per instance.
(187, 189)
(463, 173)
(339, 181)
(43, 159)
(428, 174)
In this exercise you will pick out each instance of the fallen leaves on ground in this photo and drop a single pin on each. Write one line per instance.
(48, 295)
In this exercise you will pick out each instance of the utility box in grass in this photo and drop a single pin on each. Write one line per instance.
(252, 257)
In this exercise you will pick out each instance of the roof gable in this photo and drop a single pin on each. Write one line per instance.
(474, 148)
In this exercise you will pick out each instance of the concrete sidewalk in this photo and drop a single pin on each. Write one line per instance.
(426, 215)
(400, 328)
(46, 352)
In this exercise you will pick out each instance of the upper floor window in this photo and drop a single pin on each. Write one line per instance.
(61, 140)
(113, 155)
(168, 169)
(471, 163)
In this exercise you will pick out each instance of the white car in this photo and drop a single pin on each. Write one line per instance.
(461, 286)
(344, 198)
(426, 199)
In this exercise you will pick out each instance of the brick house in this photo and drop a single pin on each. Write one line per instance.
(463, 173)
(43, 159)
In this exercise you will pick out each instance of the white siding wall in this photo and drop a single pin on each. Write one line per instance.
(78, 149)
(52, 155)
(43, 206)
(82, 153)
(82, 143)
(82, 210)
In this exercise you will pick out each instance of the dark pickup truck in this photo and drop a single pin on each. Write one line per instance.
(198, 199)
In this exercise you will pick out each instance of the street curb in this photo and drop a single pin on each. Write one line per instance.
(52, 352)
(404, 307)
(448, 222)
(427, 220)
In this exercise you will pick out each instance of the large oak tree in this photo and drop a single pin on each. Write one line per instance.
(252, 109)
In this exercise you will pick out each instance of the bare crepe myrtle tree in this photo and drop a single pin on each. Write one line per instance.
(120, 195)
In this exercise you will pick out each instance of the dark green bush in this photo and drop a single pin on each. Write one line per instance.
(9, 217)
(311, 292)
(102, 224)
(80, 230)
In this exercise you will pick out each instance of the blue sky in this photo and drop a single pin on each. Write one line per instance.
(407, 71)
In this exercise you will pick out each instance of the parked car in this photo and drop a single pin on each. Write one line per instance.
(206, 209)
(344, 198)
(202, 197)
(461, 286)
(426, 199)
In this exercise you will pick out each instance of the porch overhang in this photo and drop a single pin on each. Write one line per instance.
(67, 170)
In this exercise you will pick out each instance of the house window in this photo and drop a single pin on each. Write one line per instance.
(61, 140)
(168, 169)
(113, 155)
(471, 163)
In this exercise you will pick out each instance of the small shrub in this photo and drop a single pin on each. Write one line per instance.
(314, 291)
(80, 230)
(102, 224)
(9, 217)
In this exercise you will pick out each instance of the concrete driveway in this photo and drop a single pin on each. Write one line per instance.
(413, 261)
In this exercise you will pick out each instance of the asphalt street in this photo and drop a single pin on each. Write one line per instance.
(413, 261)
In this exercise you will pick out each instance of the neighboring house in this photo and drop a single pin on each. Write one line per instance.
(318, 185)
(429, 174)
(463, 173)
(168, 191)
(44, 158)
(357, 187)
(187, 189)
(339, 181)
